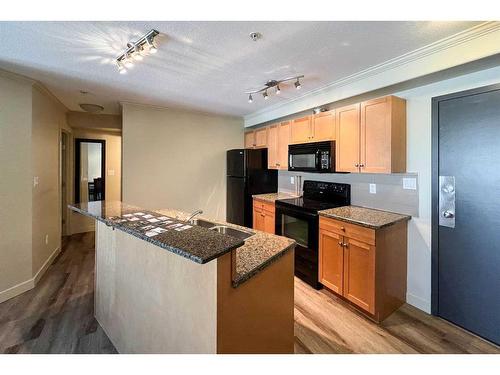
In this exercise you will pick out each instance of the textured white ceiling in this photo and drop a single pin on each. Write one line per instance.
(205, 66)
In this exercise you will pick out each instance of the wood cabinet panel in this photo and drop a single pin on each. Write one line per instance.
(272, 147)
(331, 260)
(359, 274)
(375, 146)
(261, 138)
(269, 226)
(250, 139)
(263, 216)
(347, 139)
(323, 126)
(283, 142)
(300, 131)
(258, 219)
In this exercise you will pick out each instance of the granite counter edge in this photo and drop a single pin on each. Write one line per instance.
(363, 223)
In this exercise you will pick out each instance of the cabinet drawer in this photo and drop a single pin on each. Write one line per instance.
(356, 232)
(264, 206)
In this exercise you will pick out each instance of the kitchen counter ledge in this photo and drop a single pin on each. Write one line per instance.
(366, 217)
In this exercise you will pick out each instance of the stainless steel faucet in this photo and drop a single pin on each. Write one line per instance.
(195, 213)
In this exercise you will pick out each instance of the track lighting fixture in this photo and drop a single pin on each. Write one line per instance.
(136, 51)
(297, 84)
(274, 83)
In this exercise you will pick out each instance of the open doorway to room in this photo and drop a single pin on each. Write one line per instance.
(90, 159)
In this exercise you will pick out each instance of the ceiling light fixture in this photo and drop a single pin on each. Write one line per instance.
(136, 51)
(274, 83)
(297, 84)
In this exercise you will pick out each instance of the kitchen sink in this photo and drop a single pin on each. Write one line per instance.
(202, 223)
(237, 233)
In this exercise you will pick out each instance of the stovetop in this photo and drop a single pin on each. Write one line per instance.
(318, 196)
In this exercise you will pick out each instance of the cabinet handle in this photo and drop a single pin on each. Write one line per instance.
(361, 165)
(341, 244)
(342, 228)
(346, 245)
(356, 165)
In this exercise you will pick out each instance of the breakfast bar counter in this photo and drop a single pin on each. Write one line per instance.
(167, 285)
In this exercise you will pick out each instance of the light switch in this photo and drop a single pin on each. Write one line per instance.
(36, 181)
(111, 172)
(292, 180)
(410, 183)
(373, 188)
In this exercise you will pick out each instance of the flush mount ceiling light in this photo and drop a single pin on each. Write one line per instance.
(274, 83)
(136, 51)
(91, 108)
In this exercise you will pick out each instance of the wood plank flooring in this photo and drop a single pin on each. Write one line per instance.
(57, 316)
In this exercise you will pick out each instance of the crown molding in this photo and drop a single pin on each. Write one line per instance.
(462, 47)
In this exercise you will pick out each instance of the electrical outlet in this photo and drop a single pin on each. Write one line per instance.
(373, 188)
(36, 181)
(410, 183)
(46, 239)
(292, 180)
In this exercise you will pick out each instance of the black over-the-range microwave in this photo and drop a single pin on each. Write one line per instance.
(312, 157)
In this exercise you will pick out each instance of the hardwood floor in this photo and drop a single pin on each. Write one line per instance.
(57, 316)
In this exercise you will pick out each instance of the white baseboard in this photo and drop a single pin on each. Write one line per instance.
(30, 283)
(16, 290)
(419, 303)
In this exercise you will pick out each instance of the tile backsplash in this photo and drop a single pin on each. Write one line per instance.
(390, 195)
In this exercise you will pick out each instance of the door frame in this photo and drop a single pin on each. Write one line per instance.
(435, 184)
(78, 141)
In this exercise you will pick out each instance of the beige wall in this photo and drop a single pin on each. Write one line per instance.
(15, 186)
(79, 223)
(93, 121)
(48, 117)
(177, 159)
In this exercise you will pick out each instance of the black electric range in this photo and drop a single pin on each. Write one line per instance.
(298, 218)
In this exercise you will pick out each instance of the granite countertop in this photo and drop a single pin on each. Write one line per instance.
(366, 217)
(272, 197)
(190, 241)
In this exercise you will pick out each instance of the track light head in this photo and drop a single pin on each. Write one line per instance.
(264, 94)
(250, 98)
(129, 63)
(278, 91)
(297, 84)
(137, 50)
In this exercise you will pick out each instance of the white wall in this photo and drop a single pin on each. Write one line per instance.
(419, 161)
(177, 159)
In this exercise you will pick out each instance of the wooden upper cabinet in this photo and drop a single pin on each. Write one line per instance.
(300, 131)
(359, 274)
(347, 139)
(261, 138)
(331, 260)
(323, 126)
(283, 142)
(250, 139)
(272, 146)
(383, 135)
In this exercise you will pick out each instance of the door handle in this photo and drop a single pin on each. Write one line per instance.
(447, 201)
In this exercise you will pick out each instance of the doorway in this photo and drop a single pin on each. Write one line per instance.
(466, 210)
(90, 159)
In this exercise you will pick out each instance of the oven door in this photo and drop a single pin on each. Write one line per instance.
(303, 228)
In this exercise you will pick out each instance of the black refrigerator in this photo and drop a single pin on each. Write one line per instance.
(247, 174)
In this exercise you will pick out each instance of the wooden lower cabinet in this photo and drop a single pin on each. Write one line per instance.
(367, 267)
(263, 216)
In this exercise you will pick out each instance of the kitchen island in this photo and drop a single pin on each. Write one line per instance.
(164, 285)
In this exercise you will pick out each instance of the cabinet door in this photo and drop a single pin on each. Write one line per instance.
(283, 142)
(375, 145)
(359, 274)
(258, 219)
(323, 126)
(250, 139)
(300, 132)
(347, 139)
(331, 260)
(272, 147)
(261, 138)
(269, 225)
